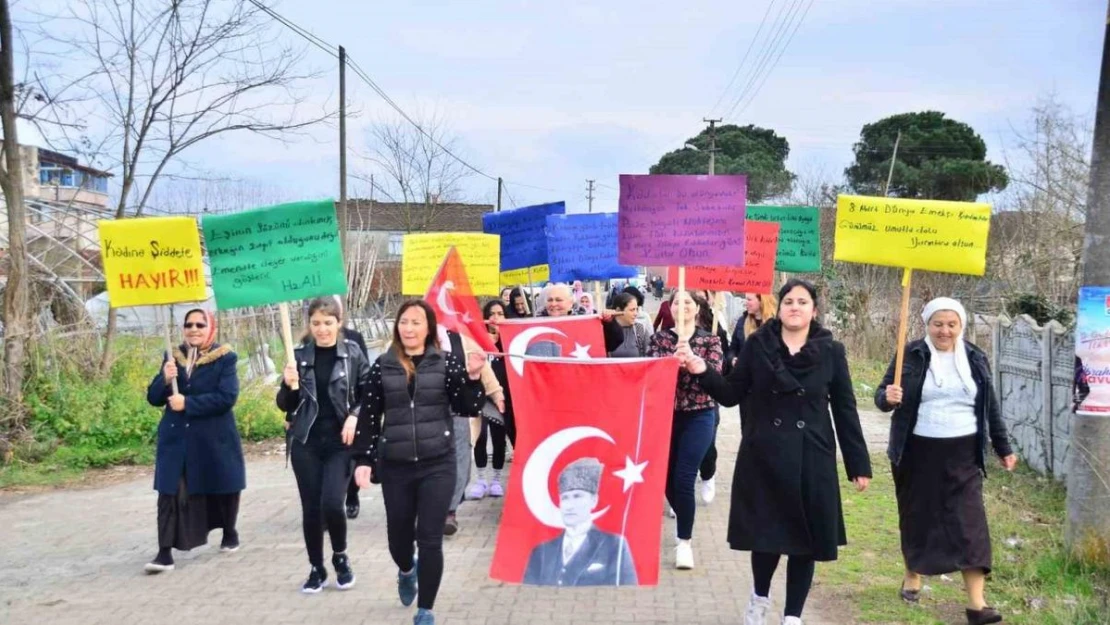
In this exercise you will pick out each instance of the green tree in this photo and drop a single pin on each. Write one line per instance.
(938, 158)
(757, 152)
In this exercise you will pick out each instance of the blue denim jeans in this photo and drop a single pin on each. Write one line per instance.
(691, 435)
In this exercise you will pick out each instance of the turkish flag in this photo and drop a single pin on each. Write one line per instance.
(572, 336)
(585, 504)
(454, 303)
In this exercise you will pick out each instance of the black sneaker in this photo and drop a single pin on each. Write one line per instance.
(451, 527)
(344, 576)
(230, 543)
(352, 510)
(162, 562)
(317, 580)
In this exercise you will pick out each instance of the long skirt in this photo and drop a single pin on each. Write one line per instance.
(184, 520)
(940, 506)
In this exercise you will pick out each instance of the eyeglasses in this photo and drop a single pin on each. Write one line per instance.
(198, 326)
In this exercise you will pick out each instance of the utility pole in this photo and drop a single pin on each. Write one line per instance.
(499, 185)
(1087, 533)
(342, 216)
(712, 144)
(590, 194)
(893, 158)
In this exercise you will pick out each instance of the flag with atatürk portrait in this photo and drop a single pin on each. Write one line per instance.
(584, 506)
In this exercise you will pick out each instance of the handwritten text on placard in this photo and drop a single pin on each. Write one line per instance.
(950, 237)
(799, 235)
(275, 254)
(423, 254)
(523, 243)
(516, 277)
(584, 247)
(682, 220)
(757, 274)
(154, 260)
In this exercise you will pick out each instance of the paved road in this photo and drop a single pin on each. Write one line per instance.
(76, 557)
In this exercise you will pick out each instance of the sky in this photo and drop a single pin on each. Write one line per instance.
(549, 94)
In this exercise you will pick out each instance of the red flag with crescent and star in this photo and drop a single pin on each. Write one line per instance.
(572, 336)
(454, 303)
(584, 506)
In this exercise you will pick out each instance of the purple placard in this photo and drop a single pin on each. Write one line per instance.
(682, 220)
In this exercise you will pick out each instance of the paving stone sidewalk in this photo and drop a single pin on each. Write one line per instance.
(77, 556)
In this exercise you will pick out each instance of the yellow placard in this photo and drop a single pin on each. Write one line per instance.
(422, 254)
(152, 260)
(516, 277)
(932, 235)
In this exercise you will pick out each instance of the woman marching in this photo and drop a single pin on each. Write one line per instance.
(758, 308)
(199, 470)
(331, 374)
(406, 434)
(694, 409)
(944, 413)
(501, 435)
(785, 495)
(635, 334)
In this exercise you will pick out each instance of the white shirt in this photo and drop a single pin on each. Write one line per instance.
(573, 539)
(947, 408)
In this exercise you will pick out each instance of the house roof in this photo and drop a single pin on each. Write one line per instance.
(64, 160)
(371, 215)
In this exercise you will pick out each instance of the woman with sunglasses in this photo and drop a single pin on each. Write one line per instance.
(199, 470)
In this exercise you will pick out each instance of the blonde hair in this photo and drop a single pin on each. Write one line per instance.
(768, 308)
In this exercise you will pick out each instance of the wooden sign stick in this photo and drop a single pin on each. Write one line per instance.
(598, 307)
(681, 320)
(524, 294)
(531, 287)
(287, 337)
(718, 300)
(169, 345)
(903, 323)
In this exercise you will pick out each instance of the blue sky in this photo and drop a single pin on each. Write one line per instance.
(551, 93)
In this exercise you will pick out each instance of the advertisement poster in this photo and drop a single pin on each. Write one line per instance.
(1091, 387)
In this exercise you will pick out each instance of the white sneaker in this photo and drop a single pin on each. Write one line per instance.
(756, 614)
(670, 512)
(709, 490)
(791, 620)
(684, 555)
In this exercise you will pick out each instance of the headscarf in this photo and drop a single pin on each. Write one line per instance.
(194, 353)
(587, 308)
(963, 366)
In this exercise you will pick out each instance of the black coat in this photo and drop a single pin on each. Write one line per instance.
(915, 366)
(785, 494)
(201, 442)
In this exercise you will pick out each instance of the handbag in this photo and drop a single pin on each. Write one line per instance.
(491, 413)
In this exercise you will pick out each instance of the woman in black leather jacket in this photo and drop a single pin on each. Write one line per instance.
(330, 376)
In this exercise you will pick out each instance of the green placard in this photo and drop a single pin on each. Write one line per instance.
(799, 236)
(275, 254)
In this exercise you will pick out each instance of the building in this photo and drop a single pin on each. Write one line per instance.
(376, 229)
(55, 177)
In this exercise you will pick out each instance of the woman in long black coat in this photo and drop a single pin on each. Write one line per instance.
(199, 470)
(785, 491)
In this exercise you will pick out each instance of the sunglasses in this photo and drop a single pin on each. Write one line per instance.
(198, 326)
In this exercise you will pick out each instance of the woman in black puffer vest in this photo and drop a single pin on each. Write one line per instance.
(412, 449)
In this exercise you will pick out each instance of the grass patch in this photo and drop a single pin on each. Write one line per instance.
(81, 420)
(867, 373)
(1033, 582)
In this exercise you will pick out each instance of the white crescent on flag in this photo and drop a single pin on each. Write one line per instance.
(441, 299)
(520, 343)
(537, 473)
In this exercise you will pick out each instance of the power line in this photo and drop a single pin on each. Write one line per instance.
(744, 60)
(776, 45)
(777, 59)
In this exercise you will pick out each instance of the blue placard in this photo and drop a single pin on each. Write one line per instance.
(523, 243)
(584, 247)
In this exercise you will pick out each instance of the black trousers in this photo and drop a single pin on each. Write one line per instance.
(799, 579)
(500, 436)
(708, 466)
(323, 469)
(417, 497)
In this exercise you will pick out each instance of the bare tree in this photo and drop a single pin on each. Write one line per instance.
(165, 76)
(416, 168)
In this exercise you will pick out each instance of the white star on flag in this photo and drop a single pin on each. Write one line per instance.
(632, 473)
(581, 352)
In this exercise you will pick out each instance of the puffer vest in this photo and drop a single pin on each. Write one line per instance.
(417, 427)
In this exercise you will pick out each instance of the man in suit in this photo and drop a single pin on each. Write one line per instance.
(583, 555)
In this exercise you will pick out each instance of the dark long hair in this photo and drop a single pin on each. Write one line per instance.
(704, 316)
(430, 341)
(796, 282)
(510, 310)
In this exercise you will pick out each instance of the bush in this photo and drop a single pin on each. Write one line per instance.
(1039, 308)
(79, 419)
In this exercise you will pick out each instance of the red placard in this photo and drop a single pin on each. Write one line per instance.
(761, 242)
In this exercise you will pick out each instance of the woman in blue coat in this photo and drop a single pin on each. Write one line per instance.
(199, 470)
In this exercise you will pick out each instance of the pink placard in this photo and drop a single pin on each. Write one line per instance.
(682, 220)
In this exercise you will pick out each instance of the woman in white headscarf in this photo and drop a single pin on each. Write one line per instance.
(945, 411)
